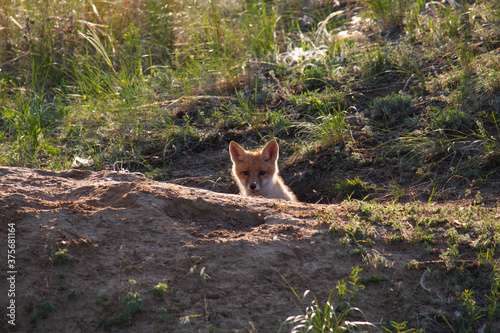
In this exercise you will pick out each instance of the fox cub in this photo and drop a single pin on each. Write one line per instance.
(256, 172)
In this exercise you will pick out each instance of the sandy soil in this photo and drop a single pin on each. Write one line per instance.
(119, 227)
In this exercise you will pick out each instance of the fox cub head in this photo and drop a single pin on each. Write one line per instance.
(254, 170)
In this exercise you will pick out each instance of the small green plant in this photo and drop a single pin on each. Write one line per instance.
(493, 306)
(61, 257)
(327, 129)
(325, 218)
(314, 77)
(377, 62)
(354, 280)
(391, 106)
(346, 294)
(342, 291)
(450, 256)
(490, 142)
(396, 191)
(132, 303)
(375, 259)
(358, 251)
(454, 237)
(160, 289)
(450, 119)
(317, 318)
(398, 328)
(359, 232)
(316, 103)
(42, 311)
(186, 320)
(390, 13)
(101, 298)
(413, 264)
(162, 313)
(422, 235)
(396, 239)
(471, 311)
(72, 294)
(330, 317)
(351, 188)
(202, 275)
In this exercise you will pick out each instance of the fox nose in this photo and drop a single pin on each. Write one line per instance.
(253, 186)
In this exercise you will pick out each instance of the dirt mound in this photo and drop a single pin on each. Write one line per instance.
(81, 237)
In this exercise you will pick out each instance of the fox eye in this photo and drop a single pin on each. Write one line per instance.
(246, 173)
(262, 173)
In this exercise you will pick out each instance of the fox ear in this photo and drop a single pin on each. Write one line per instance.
(237, 152)
(270, 151)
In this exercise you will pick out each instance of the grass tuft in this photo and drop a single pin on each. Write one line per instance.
(131, 302)
(42, 311)
(61, 257)
(351, 188)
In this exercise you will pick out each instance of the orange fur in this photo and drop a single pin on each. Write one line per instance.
(256, 172)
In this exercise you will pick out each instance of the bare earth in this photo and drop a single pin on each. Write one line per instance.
(119, 227)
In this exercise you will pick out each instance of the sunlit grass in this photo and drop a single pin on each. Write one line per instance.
(136, 82)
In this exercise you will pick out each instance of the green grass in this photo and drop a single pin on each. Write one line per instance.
(351, 188)
(114, 86)
(390, 106)
(460, 242)
(333, 314)
(389, 13)
(41, 311)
